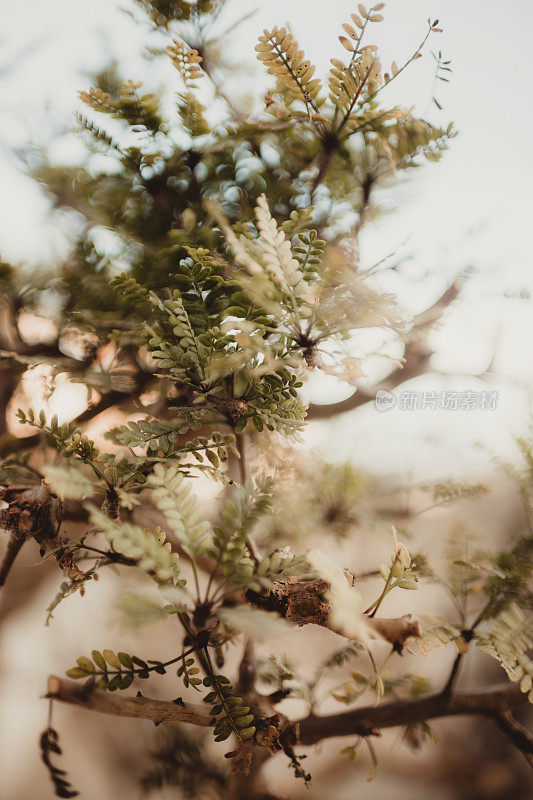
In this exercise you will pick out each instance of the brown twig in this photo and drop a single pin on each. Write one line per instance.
(304, 602)
(494, 703)
(13, 547)
(120, 706)
(454, 674)
(28, 512)
(516, 733)
(417, 357)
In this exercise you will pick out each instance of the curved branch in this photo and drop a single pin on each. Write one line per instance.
(417, 358)
(516, 733)
(493, 703)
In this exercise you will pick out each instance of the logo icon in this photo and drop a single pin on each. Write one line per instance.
(384, 400)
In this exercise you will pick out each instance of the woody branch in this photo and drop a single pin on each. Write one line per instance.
(496, 703)
(417, 358)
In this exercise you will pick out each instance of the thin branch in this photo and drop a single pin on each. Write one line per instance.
(13, 547)
(454, 674)
(369, 720)
(12, 444)
(240, 440)
(247, 670)
(516, 733)
(467, 635)
(210, 71)
(495, 704)
(243, 467)
(303, 602)
(417, 357)
(120, 706)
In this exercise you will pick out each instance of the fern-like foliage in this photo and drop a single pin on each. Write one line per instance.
(233, 552)
(437, 632)
(147, 549)
(280, 53)
(189, 354)
(49, 743)
(186, 61)
(279, 260)
(130, 288)
(98, 134)
(110, 671)
(234, 272)
(508, 641)
(75, 582)
(231, 549)
(173, 496)
(137, 110)
(161, 438)
(192, 114)
(348, 83)
(309, 252)
(233, 715)
(180, 762)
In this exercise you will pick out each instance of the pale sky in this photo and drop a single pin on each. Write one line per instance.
(472, 209)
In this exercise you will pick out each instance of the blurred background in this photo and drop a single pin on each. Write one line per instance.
(467, 216)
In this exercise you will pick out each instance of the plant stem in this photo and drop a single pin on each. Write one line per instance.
(150, 668)
(375, 606)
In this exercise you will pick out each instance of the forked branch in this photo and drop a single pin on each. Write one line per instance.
(496, 704)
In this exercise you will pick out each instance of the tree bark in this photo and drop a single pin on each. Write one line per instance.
(369, 720)
(496, 704)
(119, 706)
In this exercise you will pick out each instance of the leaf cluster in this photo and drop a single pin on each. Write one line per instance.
(110, 671)
(233, 714)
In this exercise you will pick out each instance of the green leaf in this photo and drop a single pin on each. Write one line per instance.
(99, 660)
(125, 660)
(126, 680)
(114, 683)
(240, 425)
(111, 658)
(76, 673)
(242, 722)
(86, 664)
